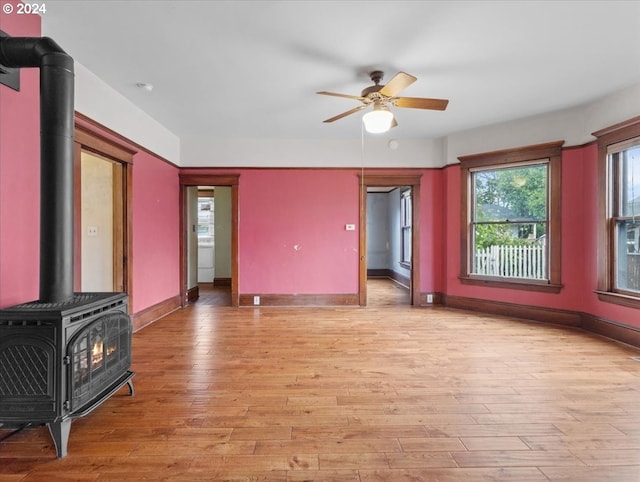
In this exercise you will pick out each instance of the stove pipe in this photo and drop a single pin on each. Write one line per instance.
(56, 158)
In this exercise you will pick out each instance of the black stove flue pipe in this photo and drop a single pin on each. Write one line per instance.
(56, 158)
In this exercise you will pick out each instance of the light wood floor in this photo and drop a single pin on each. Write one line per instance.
(383, 393)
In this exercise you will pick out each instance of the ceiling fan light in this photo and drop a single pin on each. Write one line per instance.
(378, 120)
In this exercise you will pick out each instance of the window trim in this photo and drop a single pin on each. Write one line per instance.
(551, 151)
(619, 133)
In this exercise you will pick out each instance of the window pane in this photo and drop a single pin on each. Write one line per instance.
(406, 245)
(628, 255)
(511, 194)
(512, 250)
(510, 229)
(630, 182)
(405, 208)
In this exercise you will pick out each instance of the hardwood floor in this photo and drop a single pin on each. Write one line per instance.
(384, 292)
(382, 393)
(214, 295)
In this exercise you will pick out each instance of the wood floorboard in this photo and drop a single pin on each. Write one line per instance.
(386, 392)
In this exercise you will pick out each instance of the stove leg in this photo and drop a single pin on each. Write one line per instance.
(131, 390)
(60, 434)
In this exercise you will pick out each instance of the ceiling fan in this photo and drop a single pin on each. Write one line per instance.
(380, 119)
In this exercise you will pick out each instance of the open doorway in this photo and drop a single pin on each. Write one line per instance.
(102, 215)
(209, 247)
(389, 245)
(209, 244)
(407, 265)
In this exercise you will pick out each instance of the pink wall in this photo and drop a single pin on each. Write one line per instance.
(156, 231)
(19, 176)
(579, 248)
(451, 231)
(431, 222)
(292, 231)
(576, 231)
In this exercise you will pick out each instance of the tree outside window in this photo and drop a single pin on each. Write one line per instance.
(511, 218)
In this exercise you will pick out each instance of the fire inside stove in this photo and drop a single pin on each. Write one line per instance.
(98, 353)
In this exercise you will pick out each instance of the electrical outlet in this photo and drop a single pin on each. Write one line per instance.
(92, 231)
(256, 300)
(429, 298)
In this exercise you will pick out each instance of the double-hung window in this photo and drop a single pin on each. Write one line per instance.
(619, 242)
(405, 226)
(511, 218)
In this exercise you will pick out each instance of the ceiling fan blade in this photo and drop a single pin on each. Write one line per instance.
(345, 114)
(420, 103)
(399, 82)
(346, 96)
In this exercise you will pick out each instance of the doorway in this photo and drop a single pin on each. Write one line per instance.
(102, 215)
(409, 243)
(389, 245)
(100, 208)
(209, 241)
(209, 244)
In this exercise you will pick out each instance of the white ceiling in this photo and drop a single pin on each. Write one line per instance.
(250, 69)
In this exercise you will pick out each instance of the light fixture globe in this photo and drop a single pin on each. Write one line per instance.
(379, 120)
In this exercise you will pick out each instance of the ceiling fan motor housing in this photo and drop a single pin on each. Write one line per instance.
(376, 77)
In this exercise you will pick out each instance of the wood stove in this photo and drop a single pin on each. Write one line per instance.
(66, 353)
(59, 361)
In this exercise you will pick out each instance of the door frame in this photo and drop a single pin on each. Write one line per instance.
(122, 156)
(190, 180)
(391, 180)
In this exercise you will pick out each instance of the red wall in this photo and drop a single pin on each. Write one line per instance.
(292, 232)
(156, 231)
(432, 211)
(19, 176)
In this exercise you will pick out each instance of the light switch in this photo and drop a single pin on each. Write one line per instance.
(350, 227)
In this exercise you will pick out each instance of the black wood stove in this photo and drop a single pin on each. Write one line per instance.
(66, 353)
(59, 361)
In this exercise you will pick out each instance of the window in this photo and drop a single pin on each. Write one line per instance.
(511, 218)
(619, 241)
(405, 226)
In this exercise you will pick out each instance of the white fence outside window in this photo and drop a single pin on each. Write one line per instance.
(512, 261)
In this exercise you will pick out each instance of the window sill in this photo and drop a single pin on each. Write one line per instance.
(404, 264)
(618, 299)
(510, 283)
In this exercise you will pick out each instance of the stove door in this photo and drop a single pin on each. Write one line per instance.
(99, 355)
